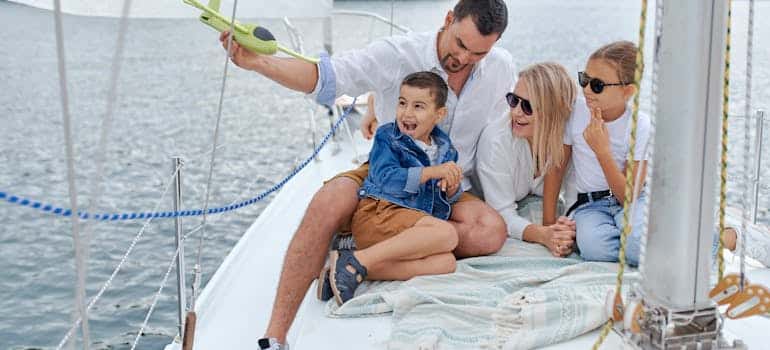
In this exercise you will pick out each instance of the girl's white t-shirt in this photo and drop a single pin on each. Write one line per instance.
(588, 172)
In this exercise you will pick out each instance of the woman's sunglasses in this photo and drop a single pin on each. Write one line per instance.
(513, 101)
(597, 86)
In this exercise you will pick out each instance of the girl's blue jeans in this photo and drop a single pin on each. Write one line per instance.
(599, 224)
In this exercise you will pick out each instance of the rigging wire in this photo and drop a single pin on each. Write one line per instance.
(723, 158)
(653, 121)
(630, 172)
(201, 238)
(171, 265)
(80, 288)
(746, 148)
(123, 260)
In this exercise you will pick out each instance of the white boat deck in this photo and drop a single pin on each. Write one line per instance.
(235, 306)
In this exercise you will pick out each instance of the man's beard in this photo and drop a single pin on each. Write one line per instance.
(447, 61)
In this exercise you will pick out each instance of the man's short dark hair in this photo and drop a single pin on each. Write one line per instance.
(490, 16)
(431, 81)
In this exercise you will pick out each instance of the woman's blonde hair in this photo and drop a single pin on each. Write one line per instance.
(552, 94)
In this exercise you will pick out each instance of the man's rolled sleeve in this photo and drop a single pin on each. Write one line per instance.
(325, 91)
(413, 175)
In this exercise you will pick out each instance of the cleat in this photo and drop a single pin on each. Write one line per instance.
(632, 317)
(754, 300)
(613, 306)
(726, 290)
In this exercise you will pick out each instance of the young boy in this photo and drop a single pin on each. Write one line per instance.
(399, 226)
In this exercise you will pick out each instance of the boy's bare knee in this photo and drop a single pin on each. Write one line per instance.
(450, 236)
(444, 231)
(445, 263)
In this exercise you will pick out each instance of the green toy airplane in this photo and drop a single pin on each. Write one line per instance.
(251, 36)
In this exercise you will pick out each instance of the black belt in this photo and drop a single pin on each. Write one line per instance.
(583, 198)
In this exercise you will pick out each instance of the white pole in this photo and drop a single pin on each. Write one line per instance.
(686, 158)
(180, 268)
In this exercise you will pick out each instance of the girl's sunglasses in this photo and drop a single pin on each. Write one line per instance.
(597, 86)
(513, 101)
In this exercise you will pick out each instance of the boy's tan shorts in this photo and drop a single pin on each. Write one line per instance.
(376, 220)
(359, 175)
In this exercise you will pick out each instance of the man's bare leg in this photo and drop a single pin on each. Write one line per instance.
(331, 206)
(480, 229)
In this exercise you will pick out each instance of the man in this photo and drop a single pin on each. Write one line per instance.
(478, 76)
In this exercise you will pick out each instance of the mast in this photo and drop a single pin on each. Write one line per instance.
(671, 309)
(681, 231)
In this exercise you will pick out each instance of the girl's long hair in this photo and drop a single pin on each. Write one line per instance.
(622, 55)
(552, 95)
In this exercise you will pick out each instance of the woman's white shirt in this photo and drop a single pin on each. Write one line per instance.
(506, 171)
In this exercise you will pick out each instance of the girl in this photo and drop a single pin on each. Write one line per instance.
(597, 137)
(514, 153)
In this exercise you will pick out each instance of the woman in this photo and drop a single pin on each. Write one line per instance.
(514, 153)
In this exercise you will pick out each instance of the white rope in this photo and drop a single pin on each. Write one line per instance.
(108, 118)
(80, 268)
(197, 267)
(82, 242)
(651, 141)
(749, 58)
(117, 269)
(156, 297)
(747, 180)
(171, 265)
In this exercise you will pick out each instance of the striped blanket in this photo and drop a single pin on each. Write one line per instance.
(520, 298)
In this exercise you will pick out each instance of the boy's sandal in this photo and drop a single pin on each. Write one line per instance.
(344, 282)
(324, 287)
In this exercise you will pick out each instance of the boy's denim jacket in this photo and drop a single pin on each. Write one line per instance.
(395, 167)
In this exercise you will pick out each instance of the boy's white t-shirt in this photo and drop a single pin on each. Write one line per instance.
(431, 150)
(588, 172)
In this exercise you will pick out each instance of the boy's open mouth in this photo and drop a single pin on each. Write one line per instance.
(409, 126)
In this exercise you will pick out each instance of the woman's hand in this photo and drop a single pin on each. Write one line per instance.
(559, 238)
(596, 134)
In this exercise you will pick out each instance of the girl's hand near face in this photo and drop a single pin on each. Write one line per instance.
(596, 134)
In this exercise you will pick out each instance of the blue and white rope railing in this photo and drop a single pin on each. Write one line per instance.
(107, 284)
(60, 211)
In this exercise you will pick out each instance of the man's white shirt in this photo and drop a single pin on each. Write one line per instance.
(382, 65)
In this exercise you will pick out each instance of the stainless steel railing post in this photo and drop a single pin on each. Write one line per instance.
(760, 115)
(180, 288)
